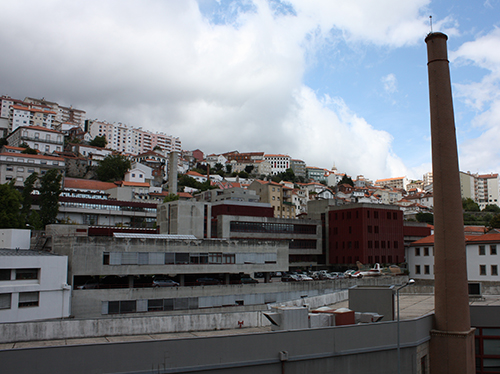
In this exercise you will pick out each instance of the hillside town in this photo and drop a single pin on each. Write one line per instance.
(130, 224)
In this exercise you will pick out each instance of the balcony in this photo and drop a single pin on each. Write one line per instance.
(33, 139)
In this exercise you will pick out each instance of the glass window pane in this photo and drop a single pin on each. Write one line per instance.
(491, 332)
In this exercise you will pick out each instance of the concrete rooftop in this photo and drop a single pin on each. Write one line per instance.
(411, 306)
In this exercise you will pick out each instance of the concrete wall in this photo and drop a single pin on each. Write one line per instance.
(15, 238)
(89, 303)
(85, 255)
(369, 349)
(375, 299)
(93, 328)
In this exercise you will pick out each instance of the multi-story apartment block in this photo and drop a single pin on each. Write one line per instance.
(125, 138)
(19, 166)
(317, 174)
(280, 197)
(62, 114)
(21, 115)
(428, 179)
(40, 138)
(483, 189)
(6, 102)
(279, 163)
(487, 190)
(298, 167)
(467, 185)
(395, 183)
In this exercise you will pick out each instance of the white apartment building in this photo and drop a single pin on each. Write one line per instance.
(483, 189)
(5, 105)
(400, 182)
(483, 260)
(21, 115)
(32, 284)
(279, 163)
(428, 179)
(19, 166)
(125, 138)
(62, 113)
(40, 138)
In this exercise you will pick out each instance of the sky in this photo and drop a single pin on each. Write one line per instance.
(331, 82)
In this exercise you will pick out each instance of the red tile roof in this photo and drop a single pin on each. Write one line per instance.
(87, 184)
(40, 157)
(134, 184)
(40, 128)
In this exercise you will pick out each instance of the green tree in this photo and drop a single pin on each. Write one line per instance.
(229, 168)
(3, 141)
(10, 201)
(171, 197)
(249, 169)
(243, 174)
(495, 222)
(469, 205)
(27, 198)
(218, 167)
(112, 168)
(288, 175)
(346, 180)
(50, 190)
(99, 141)
(492, 208)
(425, 217)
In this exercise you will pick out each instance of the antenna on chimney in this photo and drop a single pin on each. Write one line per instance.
(430, 21)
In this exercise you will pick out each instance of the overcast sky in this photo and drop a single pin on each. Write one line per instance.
(339, 82)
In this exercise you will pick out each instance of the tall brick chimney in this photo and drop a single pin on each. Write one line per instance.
(452, 340)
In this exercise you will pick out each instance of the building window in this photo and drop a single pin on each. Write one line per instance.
(482, 269)
(28, 299)
(105, 258)
(427, 269)
(5, 300)
(5, 274)
(426, 251)
(493, 249)
(23, 274)
(494, 269)
(417, 269)
(482, 250)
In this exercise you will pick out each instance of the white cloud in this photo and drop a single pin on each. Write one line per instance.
(390, 83)
(163, 66)
(482, 152)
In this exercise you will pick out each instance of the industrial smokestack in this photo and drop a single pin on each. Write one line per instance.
(452, 341)
(172, 172)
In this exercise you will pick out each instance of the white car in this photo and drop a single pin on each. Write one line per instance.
(303, 277)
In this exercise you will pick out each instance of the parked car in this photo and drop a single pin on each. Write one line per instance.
(207, 281)
(165, 282)
(289, 278)
(248, 280)
(88, 285)
(304, 277)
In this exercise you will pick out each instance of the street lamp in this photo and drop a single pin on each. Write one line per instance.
(410, 282)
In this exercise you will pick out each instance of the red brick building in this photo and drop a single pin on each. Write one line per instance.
(367, 233)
